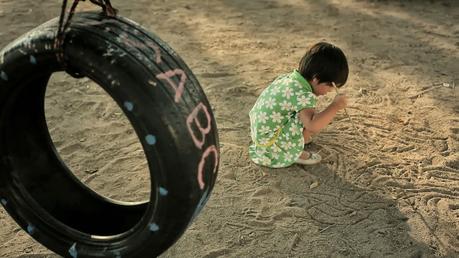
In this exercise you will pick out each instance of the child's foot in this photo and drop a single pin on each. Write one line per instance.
(308, 158)
(307, 143)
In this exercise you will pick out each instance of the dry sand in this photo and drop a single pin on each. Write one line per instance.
(391, 190)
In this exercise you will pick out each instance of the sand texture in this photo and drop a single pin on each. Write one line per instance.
(389, 182)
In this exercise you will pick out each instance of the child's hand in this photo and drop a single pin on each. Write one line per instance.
(340, 101)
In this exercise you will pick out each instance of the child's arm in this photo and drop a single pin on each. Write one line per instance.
(315, 122)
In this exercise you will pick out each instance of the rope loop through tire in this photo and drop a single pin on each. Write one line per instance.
(165, 105)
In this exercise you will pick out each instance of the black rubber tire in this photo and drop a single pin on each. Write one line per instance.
(176, 128)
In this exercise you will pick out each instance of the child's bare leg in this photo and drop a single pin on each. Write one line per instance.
(307, 136)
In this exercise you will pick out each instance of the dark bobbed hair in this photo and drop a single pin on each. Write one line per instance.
(325, 62)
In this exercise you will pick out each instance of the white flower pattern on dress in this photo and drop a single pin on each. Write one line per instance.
(270, 103)
(276, 117)
(265, 129)
(261, 103)
(289, 145)
(263, 117)
(265, 161)
(289, 156)
(286, 136)
(275, 110)
(288, 92)
(285, 105)
(293, 130)
(274, 91)
(304, 100)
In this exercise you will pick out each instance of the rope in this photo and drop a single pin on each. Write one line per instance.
(64, 23)
(106, 7)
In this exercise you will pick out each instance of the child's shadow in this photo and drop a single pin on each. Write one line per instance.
(339, 218)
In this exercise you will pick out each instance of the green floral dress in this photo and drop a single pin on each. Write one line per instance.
(276, 130)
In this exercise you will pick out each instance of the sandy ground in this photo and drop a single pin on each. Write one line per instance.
(387, 188)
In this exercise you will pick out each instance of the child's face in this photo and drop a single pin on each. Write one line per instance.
(322, 88)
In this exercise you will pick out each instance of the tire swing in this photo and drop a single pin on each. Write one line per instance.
(162, 100)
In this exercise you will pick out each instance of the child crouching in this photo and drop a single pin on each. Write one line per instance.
(284, 116)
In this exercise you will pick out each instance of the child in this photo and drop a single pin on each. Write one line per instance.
(284, 118)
